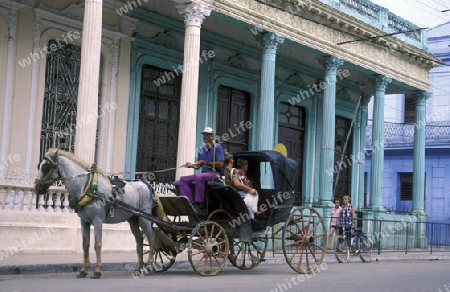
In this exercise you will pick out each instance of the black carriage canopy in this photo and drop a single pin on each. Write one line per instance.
(284, 169)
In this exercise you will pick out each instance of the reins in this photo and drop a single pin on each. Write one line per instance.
(54, 164)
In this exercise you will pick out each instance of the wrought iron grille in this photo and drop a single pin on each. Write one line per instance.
(59, 111)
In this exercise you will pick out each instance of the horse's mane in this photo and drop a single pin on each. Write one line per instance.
(74, 158)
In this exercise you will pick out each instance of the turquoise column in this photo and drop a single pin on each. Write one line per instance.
(266, 117)
(362, 149)
(376, 169)
(331, 64)
(418, 192)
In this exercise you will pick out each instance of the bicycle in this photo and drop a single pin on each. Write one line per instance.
(344, 246)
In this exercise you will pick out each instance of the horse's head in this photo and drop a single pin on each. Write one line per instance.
(48, 172)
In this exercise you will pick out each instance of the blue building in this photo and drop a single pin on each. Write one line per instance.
(400, 121)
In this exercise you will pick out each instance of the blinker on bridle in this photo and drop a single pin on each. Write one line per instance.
(53, 164)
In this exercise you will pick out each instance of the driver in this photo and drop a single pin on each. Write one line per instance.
(210, 160)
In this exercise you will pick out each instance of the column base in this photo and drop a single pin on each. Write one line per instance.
(324, 204)
(420, 214)
(378, 209)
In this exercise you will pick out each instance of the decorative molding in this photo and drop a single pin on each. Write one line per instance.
(168, 40)
(74, 11)
(305, 31)
(128, 25)
(31, 3)
(237, 61)
(296, 80)
(344, 95)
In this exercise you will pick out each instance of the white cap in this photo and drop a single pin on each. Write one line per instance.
(207, 130)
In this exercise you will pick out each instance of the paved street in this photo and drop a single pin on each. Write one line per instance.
(417, 276)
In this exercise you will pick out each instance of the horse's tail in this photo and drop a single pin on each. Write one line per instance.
(157, 207)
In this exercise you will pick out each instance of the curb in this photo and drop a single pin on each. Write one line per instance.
(185, 264)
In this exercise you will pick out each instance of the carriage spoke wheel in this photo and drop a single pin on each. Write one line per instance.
(248, 255)
(208, 248)
(162, 260)
(304, 240)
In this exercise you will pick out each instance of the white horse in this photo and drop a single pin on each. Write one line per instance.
(77, 174)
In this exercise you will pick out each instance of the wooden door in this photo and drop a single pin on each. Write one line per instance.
(342, 158)
(159, 117)
(291, 132)
(232, 113)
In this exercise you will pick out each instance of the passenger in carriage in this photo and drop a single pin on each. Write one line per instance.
(237, 178)
(210, 159)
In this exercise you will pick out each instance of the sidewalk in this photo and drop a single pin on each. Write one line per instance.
(71, 262)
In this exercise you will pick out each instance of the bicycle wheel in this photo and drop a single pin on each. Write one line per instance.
(341, 250)
(365, 249)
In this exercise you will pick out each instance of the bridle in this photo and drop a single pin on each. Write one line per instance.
(54, 165)
(45, 181)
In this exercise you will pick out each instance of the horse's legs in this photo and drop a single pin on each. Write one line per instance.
(85, 232)
(134, 226)
(147, 227)
(98, 246)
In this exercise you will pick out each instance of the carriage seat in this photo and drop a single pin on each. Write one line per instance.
(177, 206)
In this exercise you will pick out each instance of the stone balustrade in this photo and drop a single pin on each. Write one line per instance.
(44, 224)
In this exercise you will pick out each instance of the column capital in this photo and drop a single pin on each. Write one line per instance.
(365, 100)
(381, 82)
(271, 40)
(195, 12)
(331, 63)
(12, 25)
(421, 97)
(36, 32)
(114, 49)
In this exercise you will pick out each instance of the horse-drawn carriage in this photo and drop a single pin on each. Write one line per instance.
(223, 232)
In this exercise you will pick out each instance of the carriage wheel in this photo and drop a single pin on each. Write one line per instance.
(162, 260)
(208, 248)
(304, 240)
(248, 255)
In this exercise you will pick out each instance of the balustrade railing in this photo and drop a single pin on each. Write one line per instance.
(16, 194)
(382, 19)
(400, 135)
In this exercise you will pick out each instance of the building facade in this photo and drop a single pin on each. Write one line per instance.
(260, 73)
